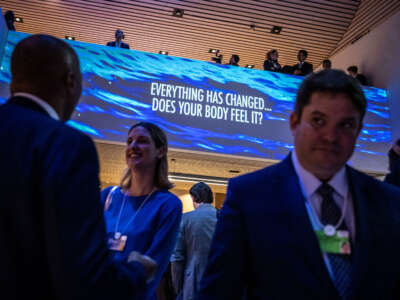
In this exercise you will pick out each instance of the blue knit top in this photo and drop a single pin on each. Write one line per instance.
(151, 230)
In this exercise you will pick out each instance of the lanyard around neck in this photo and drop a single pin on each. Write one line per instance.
(134, 216)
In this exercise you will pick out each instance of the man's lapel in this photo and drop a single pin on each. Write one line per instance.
(303, 233)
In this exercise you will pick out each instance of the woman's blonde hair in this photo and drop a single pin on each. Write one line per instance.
(159, 138)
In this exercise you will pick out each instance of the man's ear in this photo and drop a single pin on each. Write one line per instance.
(294, 121)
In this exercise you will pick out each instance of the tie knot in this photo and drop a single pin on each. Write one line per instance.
(325, 190)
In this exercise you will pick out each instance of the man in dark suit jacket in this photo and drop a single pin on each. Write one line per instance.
(119, 36)
(190, 257)
(303, 68)
(53, 239)
(353, 72)
(276, 237)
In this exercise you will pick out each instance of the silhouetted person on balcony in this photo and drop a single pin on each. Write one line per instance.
(9, 17)
(119, 36)
(271, 63)
(302, 68)
(234, 60)
(353, 72)
(326, 64)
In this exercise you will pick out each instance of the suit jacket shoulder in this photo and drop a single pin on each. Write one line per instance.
(376, 194)
(124, 45)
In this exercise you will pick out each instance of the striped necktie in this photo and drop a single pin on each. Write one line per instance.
(340, 264)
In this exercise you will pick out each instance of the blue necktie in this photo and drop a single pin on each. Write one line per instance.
(340, 264)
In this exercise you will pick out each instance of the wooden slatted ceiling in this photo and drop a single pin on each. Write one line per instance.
(369, 15)
(315, 25)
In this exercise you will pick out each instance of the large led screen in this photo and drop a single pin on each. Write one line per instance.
(202, 106)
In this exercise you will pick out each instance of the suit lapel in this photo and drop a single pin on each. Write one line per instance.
(306, 241)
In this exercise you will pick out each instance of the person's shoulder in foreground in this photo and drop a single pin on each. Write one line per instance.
(60, 252)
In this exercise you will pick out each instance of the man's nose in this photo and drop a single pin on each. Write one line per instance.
(330, 134)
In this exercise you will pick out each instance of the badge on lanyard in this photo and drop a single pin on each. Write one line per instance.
(117, 242)
(337, 243)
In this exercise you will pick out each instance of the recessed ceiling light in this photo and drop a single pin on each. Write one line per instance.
(234, 171)
(178, 12)
(19, 20)
(249, 66)
(70, 38)
(276, 29)
(163, 52)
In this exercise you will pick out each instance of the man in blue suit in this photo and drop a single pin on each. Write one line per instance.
(52, 237)
(119, 36)
(190, 257)
(310, 227)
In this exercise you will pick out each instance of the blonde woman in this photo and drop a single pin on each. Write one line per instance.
(141, 214)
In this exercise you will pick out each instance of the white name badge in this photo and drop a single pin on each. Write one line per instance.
(117, 242)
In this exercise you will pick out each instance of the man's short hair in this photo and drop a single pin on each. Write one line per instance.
(327, 63)
(9, 16)
(334, 82)
(270, 52)
(41, 60)
(201, 193)
(236, 58)
(119, 32)
(353, 69)
(304, 52)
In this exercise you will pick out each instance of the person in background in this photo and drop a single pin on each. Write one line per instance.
(197, 228)
(53, 238)
(271, 63)
(394, 165)
(326, 64)
(141, 214)
(303, 68)
(119, 36)
(9, 17)
(353, 72)
(234, 60)
(310, 226)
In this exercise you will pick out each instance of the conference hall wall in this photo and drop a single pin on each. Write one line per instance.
(201, 106)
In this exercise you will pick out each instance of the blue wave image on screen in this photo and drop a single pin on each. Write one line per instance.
(117, 94)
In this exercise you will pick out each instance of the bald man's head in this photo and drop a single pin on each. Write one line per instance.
(47, 67)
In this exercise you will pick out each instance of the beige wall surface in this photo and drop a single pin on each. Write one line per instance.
(377, 55)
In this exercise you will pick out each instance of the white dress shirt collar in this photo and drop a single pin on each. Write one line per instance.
(310, 183)
(43, 104)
